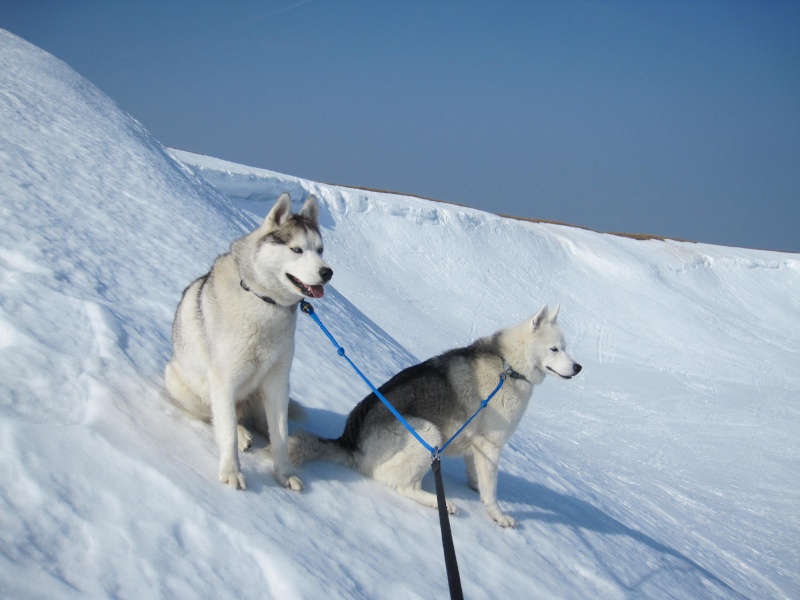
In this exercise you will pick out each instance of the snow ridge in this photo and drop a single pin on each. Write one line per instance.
(669, 469)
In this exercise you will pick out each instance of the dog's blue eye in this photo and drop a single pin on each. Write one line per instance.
(297, 250)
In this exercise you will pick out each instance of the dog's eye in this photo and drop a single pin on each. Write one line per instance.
(297, 250)
(320, 250)
(553, 349)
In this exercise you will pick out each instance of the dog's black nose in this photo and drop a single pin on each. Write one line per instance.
(326, 273)
(577, 368)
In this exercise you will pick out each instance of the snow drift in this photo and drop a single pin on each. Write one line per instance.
(669, 468)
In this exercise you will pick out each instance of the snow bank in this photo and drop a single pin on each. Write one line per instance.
(669, 468)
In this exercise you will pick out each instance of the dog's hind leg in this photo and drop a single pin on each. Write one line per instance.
(249, 411)
(244, 438)
(182, 396)
(397, 459)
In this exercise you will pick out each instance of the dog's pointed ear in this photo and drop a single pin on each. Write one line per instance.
(279, 213)
(554, 314)
(539, 318)
(310, 210)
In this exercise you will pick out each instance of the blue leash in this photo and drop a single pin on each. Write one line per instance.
(483, 405)
(435, 451)
(309, 310)
(451, 563)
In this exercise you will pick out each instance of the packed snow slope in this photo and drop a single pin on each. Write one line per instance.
(670, 468)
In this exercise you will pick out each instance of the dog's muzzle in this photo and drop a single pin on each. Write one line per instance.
(576, 368)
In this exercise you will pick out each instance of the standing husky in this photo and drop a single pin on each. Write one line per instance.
(233, 335)
(437, 397)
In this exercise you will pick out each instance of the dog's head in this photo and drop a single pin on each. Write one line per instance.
(547, 348)
(284, 257)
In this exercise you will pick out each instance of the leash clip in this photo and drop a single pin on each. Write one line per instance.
(435, 454)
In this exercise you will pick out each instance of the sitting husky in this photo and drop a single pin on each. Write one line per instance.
(233, 335)
(437, 397)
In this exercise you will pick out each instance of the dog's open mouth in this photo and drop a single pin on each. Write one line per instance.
(559, 374)
(312, 291)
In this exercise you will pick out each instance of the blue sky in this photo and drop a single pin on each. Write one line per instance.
(675, 118)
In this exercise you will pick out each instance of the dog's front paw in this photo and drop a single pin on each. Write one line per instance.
(451, 508)
(290, 482)
(501, 518)
(232, 478)
(294, 484)
(505, 521)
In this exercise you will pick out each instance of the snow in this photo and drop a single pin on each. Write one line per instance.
(670, 468)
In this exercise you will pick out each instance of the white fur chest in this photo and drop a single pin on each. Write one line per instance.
(514, 397)
(505, 410)
(266, 338)
(495, 423)
(259, 342)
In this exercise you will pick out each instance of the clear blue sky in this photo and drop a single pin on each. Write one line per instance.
(672, 117)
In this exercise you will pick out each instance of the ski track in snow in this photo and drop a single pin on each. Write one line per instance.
(669, 469)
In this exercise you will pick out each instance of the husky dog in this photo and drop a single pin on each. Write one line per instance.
(437, 397)
(233, 336)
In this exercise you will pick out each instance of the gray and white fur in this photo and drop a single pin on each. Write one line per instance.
(436, 397)
(233, 336)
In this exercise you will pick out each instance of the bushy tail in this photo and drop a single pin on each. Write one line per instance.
(305, 446)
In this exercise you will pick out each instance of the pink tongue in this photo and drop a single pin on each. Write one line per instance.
(317, 291)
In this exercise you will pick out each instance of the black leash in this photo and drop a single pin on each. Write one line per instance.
(450, 561)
